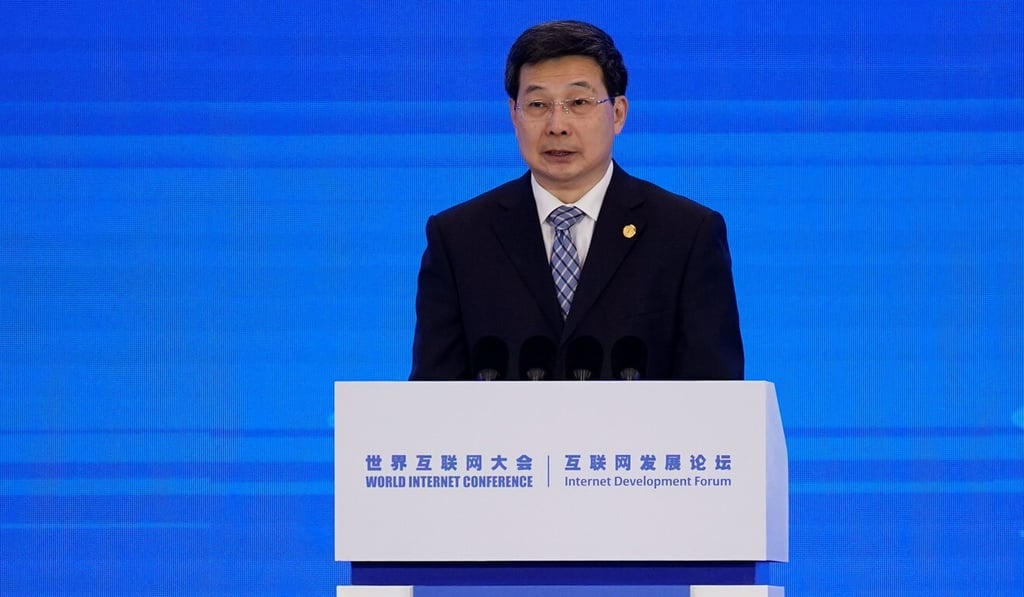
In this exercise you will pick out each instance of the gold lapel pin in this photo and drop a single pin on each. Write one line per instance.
(629, 231)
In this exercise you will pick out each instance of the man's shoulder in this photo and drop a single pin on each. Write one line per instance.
(485, 203)
(658, 199)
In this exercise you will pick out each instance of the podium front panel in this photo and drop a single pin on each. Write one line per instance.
(559, 471)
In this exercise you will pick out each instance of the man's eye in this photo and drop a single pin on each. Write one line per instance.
(581, 102)
(537, 105)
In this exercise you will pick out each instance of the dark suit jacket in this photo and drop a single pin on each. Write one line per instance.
(485, 273)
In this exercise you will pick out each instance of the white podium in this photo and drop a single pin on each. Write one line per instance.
(560, 483)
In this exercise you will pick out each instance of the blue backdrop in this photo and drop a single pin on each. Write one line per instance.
(210, 211)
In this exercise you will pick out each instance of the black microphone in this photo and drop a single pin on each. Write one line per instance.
(629, 358)
(490, 358)
(537, 358)
(583, 358)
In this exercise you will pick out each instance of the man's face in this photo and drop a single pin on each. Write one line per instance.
(567, 153)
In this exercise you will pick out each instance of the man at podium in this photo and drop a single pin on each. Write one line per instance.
(576, 269)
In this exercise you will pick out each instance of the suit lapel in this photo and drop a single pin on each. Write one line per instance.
(612, 241)
(518, 231)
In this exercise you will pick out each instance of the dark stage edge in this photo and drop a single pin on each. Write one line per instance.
(559, 573)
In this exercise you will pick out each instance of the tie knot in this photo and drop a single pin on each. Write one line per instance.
(565, 217)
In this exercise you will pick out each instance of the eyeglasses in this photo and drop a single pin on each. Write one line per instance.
(577, 106)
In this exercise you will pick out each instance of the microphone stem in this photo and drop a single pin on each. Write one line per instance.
(629, 374)
(487, 375)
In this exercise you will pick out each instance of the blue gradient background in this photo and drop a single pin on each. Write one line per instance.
(210, 211)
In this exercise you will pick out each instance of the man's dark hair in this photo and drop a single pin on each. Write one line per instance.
(556, 39)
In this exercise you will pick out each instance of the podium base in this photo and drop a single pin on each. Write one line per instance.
(564, 591)
(558, 573)
(735, 591)
(378, 591)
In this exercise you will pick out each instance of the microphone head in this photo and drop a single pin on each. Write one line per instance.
(490, 359)
(583, 358)
(629, 358)
(537, 358)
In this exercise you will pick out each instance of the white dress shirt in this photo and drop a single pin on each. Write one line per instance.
(590, 203)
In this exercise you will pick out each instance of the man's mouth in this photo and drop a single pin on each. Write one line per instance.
(558, 153)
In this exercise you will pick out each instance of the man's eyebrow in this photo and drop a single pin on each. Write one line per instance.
(582, 84)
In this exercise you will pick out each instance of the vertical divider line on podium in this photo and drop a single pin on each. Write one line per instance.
(559, 483)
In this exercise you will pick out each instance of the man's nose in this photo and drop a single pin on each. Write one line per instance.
(558, 120)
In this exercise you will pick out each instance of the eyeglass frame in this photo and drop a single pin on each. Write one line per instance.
(564, 104)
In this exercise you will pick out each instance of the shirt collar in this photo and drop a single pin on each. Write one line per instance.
(590, 203)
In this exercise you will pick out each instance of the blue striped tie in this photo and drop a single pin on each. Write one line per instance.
(565, 262)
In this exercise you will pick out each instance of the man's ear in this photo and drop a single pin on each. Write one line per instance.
(621, 109)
